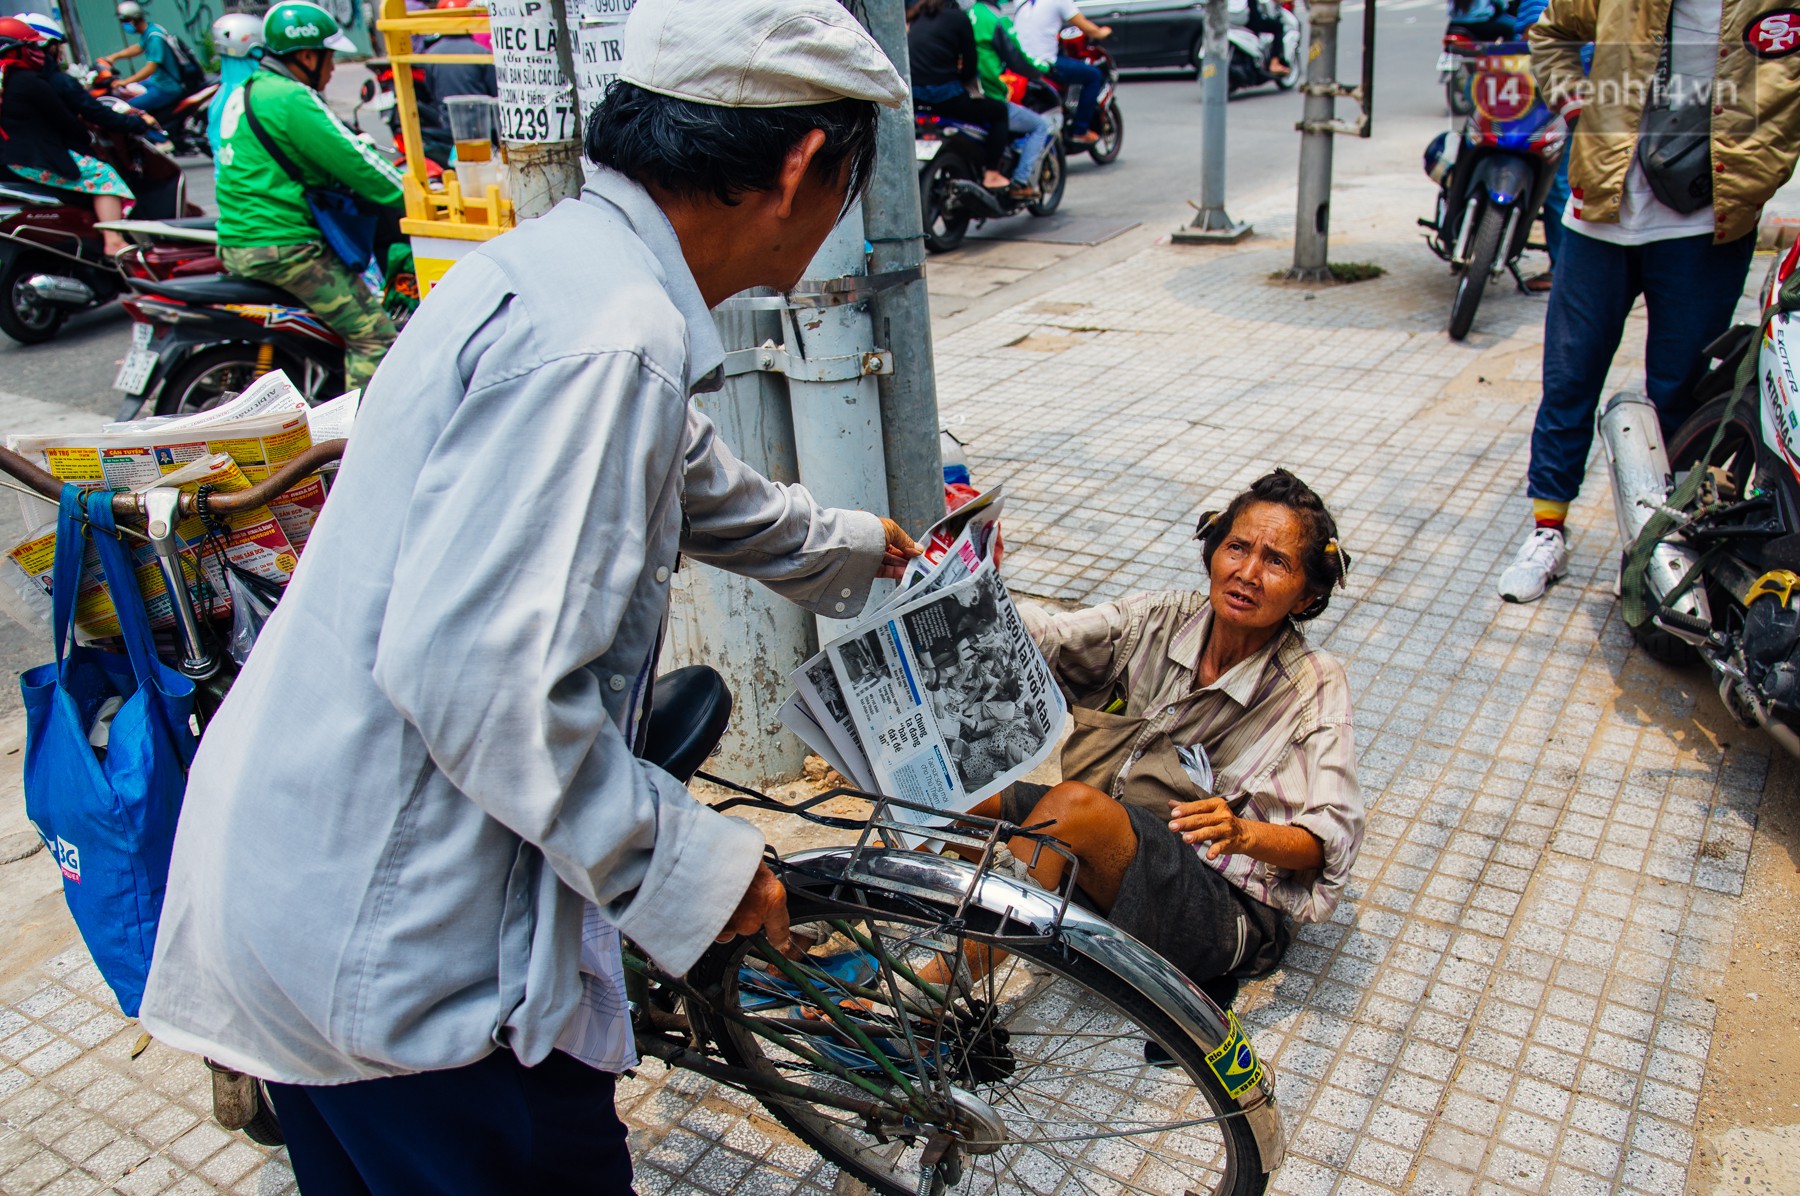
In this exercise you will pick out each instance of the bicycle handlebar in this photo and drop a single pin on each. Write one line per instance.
(131, 505)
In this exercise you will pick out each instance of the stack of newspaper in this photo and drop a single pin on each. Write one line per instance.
(229, 448)
(938, 696)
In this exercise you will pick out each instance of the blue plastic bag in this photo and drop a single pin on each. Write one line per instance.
(107, 815)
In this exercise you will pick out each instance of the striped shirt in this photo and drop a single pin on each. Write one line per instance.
(1276, 726)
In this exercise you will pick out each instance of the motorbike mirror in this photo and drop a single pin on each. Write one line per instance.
(368, 90)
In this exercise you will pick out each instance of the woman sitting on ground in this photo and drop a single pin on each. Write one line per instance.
(1208, 878)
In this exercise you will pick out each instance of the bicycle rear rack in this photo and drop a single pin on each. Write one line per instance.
(978, 841)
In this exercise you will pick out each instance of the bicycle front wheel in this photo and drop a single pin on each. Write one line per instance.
(1036, 1076)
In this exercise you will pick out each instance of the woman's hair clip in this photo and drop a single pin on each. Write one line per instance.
(1207, 519)
(1336, 551)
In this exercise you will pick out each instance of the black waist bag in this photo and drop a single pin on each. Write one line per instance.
(1675, 149)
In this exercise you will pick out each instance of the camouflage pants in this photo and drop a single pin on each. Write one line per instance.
(315, 276)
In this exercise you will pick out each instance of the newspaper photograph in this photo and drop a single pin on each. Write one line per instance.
(816, 686)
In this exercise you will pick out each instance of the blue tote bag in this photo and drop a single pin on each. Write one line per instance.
(107, 815)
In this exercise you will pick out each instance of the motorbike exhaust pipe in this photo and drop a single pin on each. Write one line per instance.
(1638, 465)
(60, 289)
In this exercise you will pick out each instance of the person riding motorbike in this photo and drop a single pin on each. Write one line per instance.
(166, 58)
(941, 43)
(69, 89)
(1040, 24)
(997, 50)
(460, 79)
(41, 138)
(238, 38)
(266, 228)
(1264, 16)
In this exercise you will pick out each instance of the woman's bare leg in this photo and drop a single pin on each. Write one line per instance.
(110, 207)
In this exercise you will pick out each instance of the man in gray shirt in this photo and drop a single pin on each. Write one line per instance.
(416, 829)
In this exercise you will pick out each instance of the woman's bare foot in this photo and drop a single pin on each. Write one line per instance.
(994, 179)
(114, 244)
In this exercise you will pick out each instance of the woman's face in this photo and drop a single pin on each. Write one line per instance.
(1257, 576)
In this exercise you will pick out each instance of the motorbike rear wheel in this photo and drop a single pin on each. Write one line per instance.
(1112, 133)
(944, 229)
(1484, 249)
(1053, 178)
(205, 379)
(23, 315)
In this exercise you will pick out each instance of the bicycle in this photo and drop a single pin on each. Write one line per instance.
(1079, 1054)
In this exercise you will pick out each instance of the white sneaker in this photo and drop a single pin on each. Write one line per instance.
(1542, 559)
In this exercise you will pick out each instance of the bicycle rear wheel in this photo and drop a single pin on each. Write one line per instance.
(1037, 1071)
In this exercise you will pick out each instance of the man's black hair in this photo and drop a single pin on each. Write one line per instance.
(693, 150)
(1322, 559)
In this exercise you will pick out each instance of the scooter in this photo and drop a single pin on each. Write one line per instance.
(1253, 53)
(1109, 122)
(184, 121)
(951, 196)
(53, 261)
(1492, 180)
(1723, 581)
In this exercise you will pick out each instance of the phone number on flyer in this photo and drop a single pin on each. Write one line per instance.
(537, 122)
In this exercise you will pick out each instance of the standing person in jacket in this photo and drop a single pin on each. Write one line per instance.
(160, 76)
(464, 78)
(41, 138)
(238, 38)
(941, 44)
(266, 230)
(1687, 254)
(996, 51)
(1040, 25)
(446, 849)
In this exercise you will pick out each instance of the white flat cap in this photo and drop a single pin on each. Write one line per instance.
(756, 54)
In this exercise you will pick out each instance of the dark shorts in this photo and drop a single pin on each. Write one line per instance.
(1177, 904)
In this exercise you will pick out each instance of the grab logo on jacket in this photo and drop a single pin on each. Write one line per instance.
(1774, 34)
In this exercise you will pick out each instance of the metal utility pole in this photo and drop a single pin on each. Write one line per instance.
(901, 311)
(1211, 224)
(1318, 125)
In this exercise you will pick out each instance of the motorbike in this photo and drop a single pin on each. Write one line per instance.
(1109, 122)
(1723, 582)
(1253, 53)
(951, 196)
(1493, 178)
(377, 92)
(53, 261)
(183, 121)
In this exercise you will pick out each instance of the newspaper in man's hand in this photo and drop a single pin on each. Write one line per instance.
(938, 696)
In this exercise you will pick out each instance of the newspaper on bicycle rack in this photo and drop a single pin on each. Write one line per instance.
(938, 696)
(229, 447)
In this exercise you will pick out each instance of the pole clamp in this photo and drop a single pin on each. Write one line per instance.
(827, 292)
(775, 359)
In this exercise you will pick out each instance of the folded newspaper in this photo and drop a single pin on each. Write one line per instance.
(229, 447)
(938, 696)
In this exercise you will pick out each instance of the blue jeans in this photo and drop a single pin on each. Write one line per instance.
(491, 1128)
(1036, 130)
(1073, 71)
(1554, 202)
(1690, 287)
(157, 94)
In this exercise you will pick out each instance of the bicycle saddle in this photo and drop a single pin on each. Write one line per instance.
(688, 717)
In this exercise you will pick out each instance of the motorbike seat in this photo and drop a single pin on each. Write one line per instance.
(216, 288)
(688, 717)
(32, 192)
(202, 224)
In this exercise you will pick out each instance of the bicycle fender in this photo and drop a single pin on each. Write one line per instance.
(947, 879)
(1505, 177)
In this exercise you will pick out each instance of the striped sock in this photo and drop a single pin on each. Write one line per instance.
(1549, 513)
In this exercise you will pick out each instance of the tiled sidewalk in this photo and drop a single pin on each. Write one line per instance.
(1515, 997)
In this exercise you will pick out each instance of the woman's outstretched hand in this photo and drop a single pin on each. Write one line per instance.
(900, 549)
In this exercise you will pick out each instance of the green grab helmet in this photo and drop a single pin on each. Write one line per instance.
(298, 25)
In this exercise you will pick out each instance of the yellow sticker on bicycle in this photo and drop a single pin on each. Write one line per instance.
(1234, 1061)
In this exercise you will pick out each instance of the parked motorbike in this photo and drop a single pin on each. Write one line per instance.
(1725, 582)
(951, 196)
(1253, 53)
(1493, 178)
(53, 262)
(183, 121)
(1109, 122)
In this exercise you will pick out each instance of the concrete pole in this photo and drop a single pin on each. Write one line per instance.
(902, 314)
(538, 120)
(1211, 224)
(754, 638)
(1312, 220)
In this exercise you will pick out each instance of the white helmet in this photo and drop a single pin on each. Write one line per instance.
(130, 10)
(48, 27)
(237, 35)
